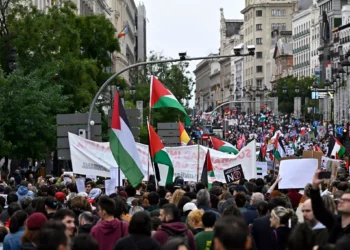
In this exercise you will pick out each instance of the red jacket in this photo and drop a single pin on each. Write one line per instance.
(177, 227)
(107, 233)
(294, 197)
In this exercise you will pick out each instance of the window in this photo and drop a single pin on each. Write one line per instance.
(278, 26)
(259, 55)
(259, 83)
(259, 27)
(259, 13)
(259, 69)
(259, 41)
(278, 12)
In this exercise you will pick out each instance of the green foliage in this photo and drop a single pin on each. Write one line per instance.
(175, 76)
(28, 109)
(286, 100)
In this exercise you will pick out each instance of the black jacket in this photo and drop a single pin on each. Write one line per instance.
(262, 233)
(137, 242)
(85, 228)
(332, 222)
(251, 214)
(280, 238)
(28, 246)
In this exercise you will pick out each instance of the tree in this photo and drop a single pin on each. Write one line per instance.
(175, 76)
(80, 47)
(28, 108)
(286, 100)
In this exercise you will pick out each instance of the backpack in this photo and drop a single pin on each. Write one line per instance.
(176, 235)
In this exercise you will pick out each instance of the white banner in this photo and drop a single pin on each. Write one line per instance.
(95, 158)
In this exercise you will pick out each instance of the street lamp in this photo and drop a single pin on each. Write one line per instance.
(284, 89)
(297, 89)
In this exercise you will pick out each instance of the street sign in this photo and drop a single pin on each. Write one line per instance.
(297, 122)
(315, 123)
(205, 137)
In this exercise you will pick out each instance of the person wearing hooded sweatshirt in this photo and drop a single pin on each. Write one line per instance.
(173, 227)
(24, 191)
(109, 230)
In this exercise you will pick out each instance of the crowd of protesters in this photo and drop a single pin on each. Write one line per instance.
(48, 213)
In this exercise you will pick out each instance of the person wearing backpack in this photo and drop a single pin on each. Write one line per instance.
(172, 227)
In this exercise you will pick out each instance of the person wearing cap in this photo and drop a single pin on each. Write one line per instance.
(34, 222)
(60, 197)
(94, 194)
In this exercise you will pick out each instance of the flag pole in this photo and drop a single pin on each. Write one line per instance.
(198, 161)
(149, 121)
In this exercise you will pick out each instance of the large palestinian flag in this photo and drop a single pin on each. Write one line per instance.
(161, 97)
(123, 145)
(160, 156)
(335, 148)
(223, 146)
(208, 176)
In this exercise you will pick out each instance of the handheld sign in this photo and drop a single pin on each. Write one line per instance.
(233, 174)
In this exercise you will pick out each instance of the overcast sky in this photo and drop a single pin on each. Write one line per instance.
(187, 25)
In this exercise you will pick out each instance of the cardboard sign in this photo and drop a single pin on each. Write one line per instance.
(314, 155)
(233, 174)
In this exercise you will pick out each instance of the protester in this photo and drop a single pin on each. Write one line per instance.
(66, 216)
(12, 241)
(110, 229)
(139, 237)
(53, 236)
(84, 241)
(172, 225)
(195, 221)
(204, 238)
(281, 221)
(30, 237)
(86, 221)
(337, 226)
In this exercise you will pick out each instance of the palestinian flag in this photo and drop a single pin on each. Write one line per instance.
(160, 156)
(184, 138)
(161, 97)
(335, 147)
(123, 145)
(208, 176)
(279, 150)
(294, 144)
(223, 146)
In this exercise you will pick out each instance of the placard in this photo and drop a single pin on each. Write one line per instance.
(233, 174)
(80, 182)
(261, 169)
(314, 155)
(67, 179)
(296, 173)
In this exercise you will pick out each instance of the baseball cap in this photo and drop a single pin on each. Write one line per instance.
(189, 206)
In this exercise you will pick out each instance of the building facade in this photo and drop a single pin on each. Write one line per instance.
(141, 45)
(306, 37)
(261, 17)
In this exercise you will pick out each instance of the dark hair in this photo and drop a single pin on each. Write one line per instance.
(154, 213)
(62, 213)
(276, 202)
(52, 235)
(162, 202)
(199, 186)
(84, 241)
(216, 190)
(52, 190)
(301, 238)
(173, 211)
(208, 219)
(3, 233)
(153, 198)
(343, 186)
(72, 187)
(140, 224)
(262, 208)
(11, 198)
(232, 210)
(170, 187)
(232, 232)
(51, 202)
(2, 202)
(12, 208)
(91, 183)
(108, 205)
(7, 190)
(17, 221)
(182, 202)
(191, 195)
(121, 207)
(214, 201)
(175, 243)
(130, 191)
(156, 222)
(151, 187)
(162, 192)
(39, 205)
(240, 200)
(25, 202)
